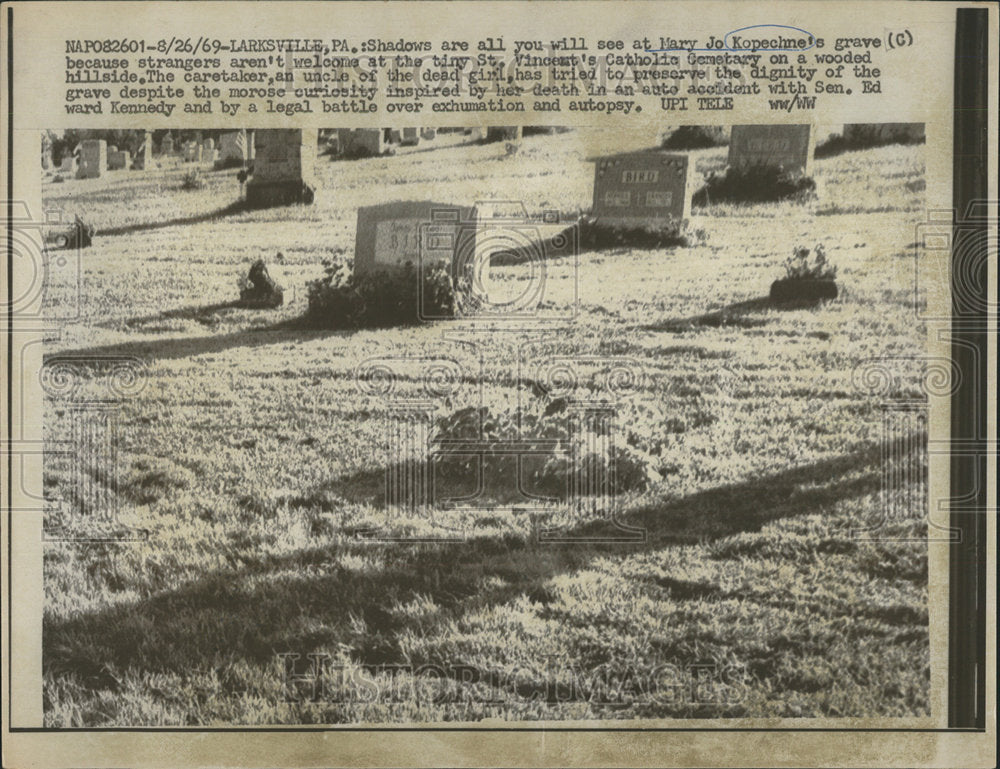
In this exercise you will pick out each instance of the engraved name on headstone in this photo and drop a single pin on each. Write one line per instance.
(787, 146)
(643, 189)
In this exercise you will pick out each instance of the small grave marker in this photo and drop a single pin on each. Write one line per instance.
(118, 160)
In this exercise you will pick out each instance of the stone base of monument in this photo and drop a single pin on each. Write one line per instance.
(268, 194)
(802, 290)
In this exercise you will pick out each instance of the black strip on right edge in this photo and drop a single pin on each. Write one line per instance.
(10, 336)
(967, 585)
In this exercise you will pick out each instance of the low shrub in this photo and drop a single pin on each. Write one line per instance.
(696, 137)
(192, 181)
(384, 297)
(754, 184)
(538, 130)
(809, 279)
(565, 448)
(866, 137)
(806, 264)
(596, 235)
(230, 162)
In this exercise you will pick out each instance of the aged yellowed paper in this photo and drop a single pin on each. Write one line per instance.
(499, 383)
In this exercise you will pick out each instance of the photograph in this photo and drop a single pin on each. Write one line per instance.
(518, 423)
(549, 383)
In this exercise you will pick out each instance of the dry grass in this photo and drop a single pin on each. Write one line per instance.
(254, 462)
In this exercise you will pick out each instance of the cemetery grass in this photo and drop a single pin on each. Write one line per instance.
(254, 464)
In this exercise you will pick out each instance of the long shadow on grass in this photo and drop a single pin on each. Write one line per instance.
(237, 207)
(198, 312)
(292, 330)
(737, 315)
(347, 594)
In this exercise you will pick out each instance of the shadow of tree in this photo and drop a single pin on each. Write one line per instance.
(264, 605)
(737, 315)
(199, 312)
(292, 330)
(236, 207)
(474, 477)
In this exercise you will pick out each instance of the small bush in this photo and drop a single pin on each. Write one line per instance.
(537, 130)
(865, 137)
(634, 455)
(595, 235)
(341, 299)
(192, 181)
(360, 152)
(804, 264)
(226, 163)
(696, 137)
(755, 184)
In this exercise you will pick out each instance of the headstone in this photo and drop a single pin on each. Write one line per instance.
(362, 142)
(394, 136)
(192, 152)
(68, 165)
(789, 147)
(208, 145)
(118, 160)
(284, 167)
(410, 137)
(503, 133)
(421, 233)
(428, 133)
(643, 189)
(167, 145)
(465, 240)
(46, 152)
(93, 158)
(233, 147)
(144, 155)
